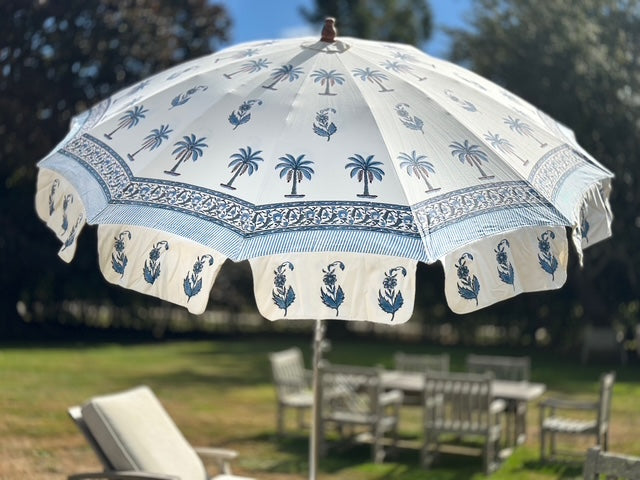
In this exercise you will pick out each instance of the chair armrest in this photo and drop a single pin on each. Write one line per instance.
(390, 398)
(497, 406)
(123, 475)
(222, 456)
(568, 404)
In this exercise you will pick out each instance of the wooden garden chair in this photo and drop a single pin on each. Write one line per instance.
(610, 466)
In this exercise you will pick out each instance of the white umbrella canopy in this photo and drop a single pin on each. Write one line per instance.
(333, 166)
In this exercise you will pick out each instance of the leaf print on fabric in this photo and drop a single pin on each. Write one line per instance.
(505, 268)
(151, 270)
(323, 126)
(584, 224)
(282, 296)
(412, 123)
(119, 259)
(295, 169)
(468, 284)
(68, 200)
(192, 283)
(466, 104)
(331, 293)
(153, 140)
(365, 169)
(242, 115)
(130, 119)
(52, 193)
(244, 161)
(546, 258)
(183, 98)
(72, 236)
(389, 300)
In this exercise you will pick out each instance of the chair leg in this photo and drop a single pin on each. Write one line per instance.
(542, 444)
(280, 420)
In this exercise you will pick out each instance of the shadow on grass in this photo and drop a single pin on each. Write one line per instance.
(557, 469)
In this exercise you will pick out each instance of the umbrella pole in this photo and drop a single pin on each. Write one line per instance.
(318, 346)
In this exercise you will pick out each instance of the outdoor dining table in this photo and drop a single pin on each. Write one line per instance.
(511, 391)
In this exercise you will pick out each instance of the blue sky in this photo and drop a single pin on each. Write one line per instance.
(271, 19)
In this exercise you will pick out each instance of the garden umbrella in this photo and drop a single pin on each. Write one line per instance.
(333, 166)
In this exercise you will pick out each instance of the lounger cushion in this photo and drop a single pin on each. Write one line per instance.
(136, 433)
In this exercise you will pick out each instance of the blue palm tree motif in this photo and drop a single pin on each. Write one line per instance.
(282, 296)
(192, 283)
(505, 268)
(243, 114)
(584, 224)
(466, 104)
(283, 73)
(366, 169)
(119, 259)
(468, 285)
(373, 76)
(388, 300)
(418, 166)
(546, 258)
(249, 52)
(472, 155)
(244, 161)
(402, 68)
(412, 123)
(181, 72)
(323, 127)
(52, 194)
(129, 120)
(189, 147)
(153, 140)
(522, 128)
(252, 66)
(327, 79)
(183, 98)
(151, 270)
(140, 86)
(68, 200)
(503, 145)
(331, 293)
(404, 57)
(295, 169)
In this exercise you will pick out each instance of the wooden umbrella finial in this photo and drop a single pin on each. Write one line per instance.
(329, 31)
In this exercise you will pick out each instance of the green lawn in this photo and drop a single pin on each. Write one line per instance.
(220, 393)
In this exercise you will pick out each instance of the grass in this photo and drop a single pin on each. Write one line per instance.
(220, 393)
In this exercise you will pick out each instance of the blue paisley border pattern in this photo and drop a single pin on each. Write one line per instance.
(553, 168)
(120, 186)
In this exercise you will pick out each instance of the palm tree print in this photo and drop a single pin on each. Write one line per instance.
(188, 147)
(153, 140)
(244, 161)
(327, 79)
(418, 166)
(366, 169)
(252, 66)
(403, 68)
(472, 155)
(522, 128)
(244, 53)
(373, 76)
(285, 72)
(503, 145)
(129, 119)
(295, 169)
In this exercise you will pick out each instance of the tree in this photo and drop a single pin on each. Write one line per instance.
(404, 21)
(578, 62)
(57, 58)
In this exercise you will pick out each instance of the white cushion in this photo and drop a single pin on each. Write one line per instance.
(136, 433)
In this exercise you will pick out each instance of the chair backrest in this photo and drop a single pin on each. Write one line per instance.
(349, 389)
(458, 398)
(610, 466)
(287, 368)
(134, 432)
(421, 363)
(503, 367)
(606, 393)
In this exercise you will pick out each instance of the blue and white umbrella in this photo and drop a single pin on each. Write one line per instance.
(333, 167)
